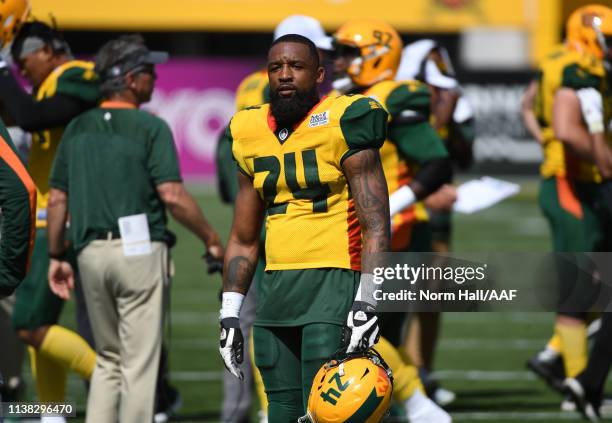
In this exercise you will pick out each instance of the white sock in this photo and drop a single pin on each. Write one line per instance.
(548, 354)
(421, 409)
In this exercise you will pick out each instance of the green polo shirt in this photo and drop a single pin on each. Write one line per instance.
(109, 162)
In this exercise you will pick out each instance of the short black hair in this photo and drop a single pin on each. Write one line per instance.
(48, 34)
(300, 39)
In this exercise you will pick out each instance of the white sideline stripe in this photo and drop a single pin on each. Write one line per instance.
(194, 344)
(491, 344)
(196, 376)
(444, 345)
(515, 416)
(517, 317)
(473, 375)
(194, 318)
(510, 415)
(484, 375)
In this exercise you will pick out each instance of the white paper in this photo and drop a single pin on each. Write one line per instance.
(135, 236)
(479, 194)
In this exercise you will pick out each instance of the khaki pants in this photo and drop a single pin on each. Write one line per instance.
(124, 300)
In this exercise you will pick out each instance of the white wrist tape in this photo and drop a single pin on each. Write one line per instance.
(400, 199)
(366, 289)
(231, 303)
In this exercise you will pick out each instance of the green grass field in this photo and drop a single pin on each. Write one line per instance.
(481, 356)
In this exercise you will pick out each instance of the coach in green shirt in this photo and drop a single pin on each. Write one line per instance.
(115, 172)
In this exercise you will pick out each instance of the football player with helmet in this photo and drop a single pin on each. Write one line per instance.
(566, 108)
(593, 34)
(415, 161)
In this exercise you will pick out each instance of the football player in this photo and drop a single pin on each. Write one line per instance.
(428, 62)
(252, 91)
(570, 187)
(14, 13)
(415, 161)
(62, 88)
(596, 105)
(18, 202)
(297, 158)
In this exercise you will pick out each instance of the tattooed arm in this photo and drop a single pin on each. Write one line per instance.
(365, 175)
(243, 244)
(238, 270)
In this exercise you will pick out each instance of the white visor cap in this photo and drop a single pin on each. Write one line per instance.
(306, 26)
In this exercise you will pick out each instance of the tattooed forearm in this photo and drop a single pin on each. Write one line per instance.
(238, 274)
(369, 189)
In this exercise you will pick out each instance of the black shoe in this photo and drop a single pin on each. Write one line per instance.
(167, 404)
(551, 371)
(12, 390)
(586, 405)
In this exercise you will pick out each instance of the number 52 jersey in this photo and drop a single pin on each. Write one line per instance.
(310, 217)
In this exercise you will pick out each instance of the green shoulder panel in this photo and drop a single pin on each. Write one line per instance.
(576, 77)
(79, 82)
(364, 124)
(409, 95)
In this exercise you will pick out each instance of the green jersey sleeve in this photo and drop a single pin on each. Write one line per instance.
(575, 77)
(410, 99)
(79, 82)
(363, 125)
(163, 160)
(417, 142)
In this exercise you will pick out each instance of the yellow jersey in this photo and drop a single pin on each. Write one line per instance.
(411, 140)
(310, 217)
(564, 68)
(253, 90)
(75, 79)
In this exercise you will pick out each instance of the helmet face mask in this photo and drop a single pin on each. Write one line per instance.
(370, 49)
(351, 387)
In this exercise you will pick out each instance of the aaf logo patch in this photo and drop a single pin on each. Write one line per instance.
(319, 119)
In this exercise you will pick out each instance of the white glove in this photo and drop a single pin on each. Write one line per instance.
(591, 104)
(361, 331)
(231, 342)
(231, 345)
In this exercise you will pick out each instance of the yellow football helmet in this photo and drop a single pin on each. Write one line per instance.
(356, 388)
(13, 13)
(587, 29)
(379, 50)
